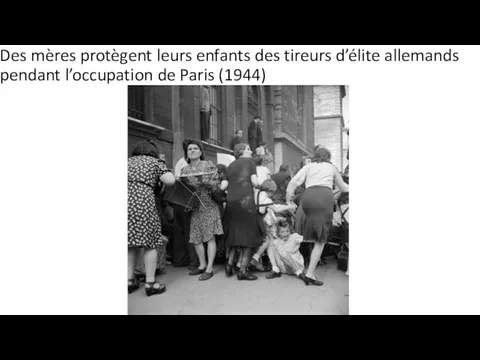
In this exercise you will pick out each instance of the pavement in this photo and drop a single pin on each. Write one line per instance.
(288, 295)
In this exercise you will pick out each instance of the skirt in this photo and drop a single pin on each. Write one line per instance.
(314, 216)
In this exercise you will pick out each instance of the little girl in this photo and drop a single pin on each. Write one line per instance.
(267, 208)
(284, 253)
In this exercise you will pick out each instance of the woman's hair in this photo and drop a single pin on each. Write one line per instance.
(146, 147)
(187, 143)
(322, 155)
(222, 171)
(268, 185)
(239, 149)
(304, 158)
(258, 160)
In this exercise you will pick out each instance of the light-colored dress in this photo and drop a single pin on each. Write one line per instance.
(287, 254)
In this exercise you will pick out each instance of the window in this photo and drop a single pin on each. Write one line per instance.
(136, 102)
(253, 98)
(216, 115)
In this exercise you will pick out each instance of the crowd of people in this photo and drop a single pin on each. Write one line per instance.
(245, 216)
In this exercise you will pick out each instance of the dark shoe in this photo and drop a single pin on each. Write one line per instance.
(132, 285)
(235, 269)
(154, 288)
(314, 282)
(273, 275)
(197, 272)
(229, 270)
(206, 276)
(246, 276)
(140, 277)
(309, 281)
(256, 265)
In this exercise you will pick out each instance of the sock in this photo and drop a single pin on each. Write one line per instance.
(276, 269)
(256, 257)
(298, 272)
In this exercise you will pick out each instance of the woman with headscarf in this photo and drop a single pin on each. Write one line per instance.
(317, 204)
(145, 171)
(205, 221)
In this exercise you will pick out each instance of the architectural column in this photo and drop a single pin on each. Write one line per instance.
(177, 123)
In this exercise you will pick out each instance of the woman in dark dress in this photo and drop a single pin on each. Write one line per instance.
(317, 204)
(240, 220)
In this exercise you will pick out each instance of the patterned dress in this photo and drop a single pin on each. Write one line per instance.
(205, 221)
(144, 226)
(240, 219)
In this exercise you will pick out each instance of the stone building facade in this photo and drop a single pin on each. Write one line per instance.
(169, 114)
(330, 122)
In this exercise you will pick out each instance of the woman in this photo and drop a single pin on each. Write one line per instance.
(240, 219)
(317, 205)
(205, 221)
(145, 170)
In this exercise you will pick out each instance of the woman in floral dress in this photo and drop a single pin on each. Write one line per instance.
(145, 171)
(205, 221)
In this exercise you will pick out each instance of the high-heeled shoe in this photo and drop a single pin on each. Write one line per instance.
(140, 277)
(152, 290)
(244, 275)
(132, 285)
(235, 269)
(229, 270)
(309, 281)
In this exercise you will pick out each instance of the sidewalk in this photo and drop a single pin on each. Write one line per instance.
(186, 295)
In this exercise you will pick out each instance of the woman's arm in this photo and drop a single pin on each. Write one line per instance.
(339, 182)
(166, 176)
(279, 208)
(297, 180)
(168, 179)
(254, 180)
(224, 185)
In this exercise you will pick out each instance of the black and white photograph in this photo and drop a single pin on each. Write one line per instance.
(238, 200)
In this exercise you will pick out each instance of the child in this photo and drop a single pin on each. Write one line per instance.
(267, 208)
(284, 253)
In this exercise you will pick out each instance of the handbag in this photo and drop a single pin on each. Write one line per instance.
(182, 195)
